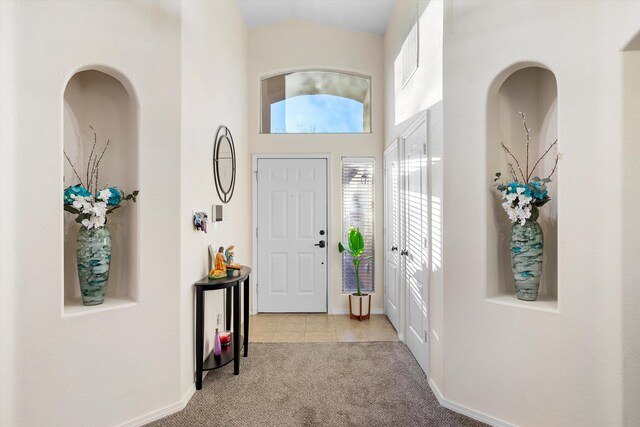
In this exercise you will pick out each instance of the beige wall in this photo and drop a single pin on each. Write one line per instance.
(296, 45)
(131, 362)
(214, 66)
(521, 365)
(421, 95)
(631, 235)
(107, 365)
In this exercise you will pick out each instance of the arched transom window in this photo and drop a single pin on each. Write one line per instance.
(316, 102)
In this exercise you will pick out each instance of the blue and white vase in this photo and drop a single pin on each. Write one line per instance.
(94, 258)
(526, 257)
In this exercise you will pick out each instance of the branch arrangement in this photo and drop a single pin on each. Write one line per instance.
(525, 193)
(84, 200)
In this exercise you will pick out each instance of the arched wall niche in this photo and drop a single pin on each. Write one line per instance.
(530, 88)
(629, 206)
(104, 99)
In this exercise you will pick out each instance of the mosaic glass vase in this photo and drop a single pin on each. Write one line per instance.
(526, 258)
(94, 258)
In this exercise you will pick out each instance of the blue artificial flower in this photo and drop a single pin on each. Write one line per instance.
(538, 193)
(115, 196)
(512, 187)
(76, 190)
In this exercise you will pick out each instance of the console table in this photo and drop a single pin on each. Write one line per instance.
(231, 352)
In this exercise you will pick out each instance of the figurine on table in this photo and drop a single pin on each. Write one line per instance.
(219, 266)
(228, 254)
(221, 262)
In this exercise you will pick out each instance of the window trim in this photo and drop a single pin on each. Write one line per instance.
(261, 103)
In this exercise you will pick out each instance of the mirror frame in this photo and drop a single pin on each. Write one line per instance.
(222, 134)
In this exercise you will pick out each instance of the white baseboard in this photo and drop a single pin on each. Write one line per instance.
(163, 412)
(346, 311)
(464, 410)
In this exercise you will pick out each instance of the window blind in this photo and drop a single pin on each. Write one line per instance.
(358, 208)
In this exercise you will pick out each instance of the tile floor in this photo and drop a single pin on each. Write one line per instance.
(307, 327)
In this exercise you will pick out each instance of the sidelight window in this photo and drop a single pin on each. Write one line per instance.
(358, 206)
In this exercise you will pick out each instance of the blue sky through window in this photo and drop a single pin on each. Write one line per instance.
(317, 114)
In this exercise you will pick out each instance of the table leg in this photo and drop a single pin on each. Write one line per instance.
(245, 295)
(236, 328)
(227, 324)
(199, 335)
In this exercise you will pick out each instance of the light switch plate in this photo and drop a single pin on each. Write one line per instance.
(216, 211)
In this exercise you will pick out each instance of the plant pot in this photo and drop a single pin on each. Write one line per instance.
(526, 258)
(94, 259)
(360, 306)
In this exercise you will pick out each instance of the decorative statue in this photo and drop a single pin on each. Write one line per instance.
(228, 254)
(220, 263)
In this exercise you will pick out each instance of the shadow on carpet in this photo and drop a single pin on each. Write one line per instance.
(318, 384)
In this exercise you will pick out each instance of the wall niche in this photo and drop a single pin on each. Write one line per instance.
(95, 98)
(532, 90)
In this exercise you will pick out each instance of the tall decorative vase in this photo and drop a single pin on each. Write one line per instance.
(526, 257)
(94, 258)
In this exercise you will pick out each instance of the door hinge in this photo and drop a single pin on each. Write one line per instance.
(256, 232)
(426, 336)
(256, 172)
(424, 149)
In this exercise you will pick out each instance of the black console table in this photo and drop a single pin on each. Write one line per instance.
(231, 352)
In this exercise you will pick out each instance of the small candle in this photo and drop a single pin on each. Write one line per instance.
(225, 338)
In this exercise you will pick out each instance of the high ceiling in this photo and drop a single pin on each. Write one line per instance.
(370, 16)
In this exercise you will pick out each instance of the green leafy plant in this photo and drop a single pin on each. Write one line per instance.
(356, 249)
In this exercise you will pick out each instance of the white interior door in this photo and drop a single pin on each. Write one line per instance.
(391, 234)
(292, 221)
(415, 245)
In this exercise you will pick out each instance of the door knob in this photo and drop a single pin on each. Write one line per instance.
(320, 244)
(394, 248)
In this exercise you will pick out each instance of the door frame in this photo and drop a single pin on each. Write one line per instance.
(395, 145)
(254, 221)
(419, 119)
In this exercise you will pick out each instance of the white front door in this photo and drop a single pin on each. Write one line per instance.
(292, 223)
(416, 246)
(391, 234)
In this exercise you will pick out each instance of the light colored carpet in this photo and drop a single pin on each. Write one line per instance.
(318, 384)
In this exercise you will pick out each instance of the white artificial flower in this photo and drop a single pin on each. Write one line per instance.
(524, 200)
(94, 222)
(77, 201)
(98, 221)
(104, 195)
(99, 209)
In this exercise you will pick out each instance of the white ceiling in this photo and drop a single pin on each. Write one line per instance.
(370, 16)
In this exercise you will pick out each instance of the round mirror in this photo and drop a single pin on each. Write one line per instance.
(224, 164)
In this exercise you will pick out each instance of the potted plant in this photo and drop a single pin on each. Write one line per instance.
(91, 206)
(359, 303)
(522, 196)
